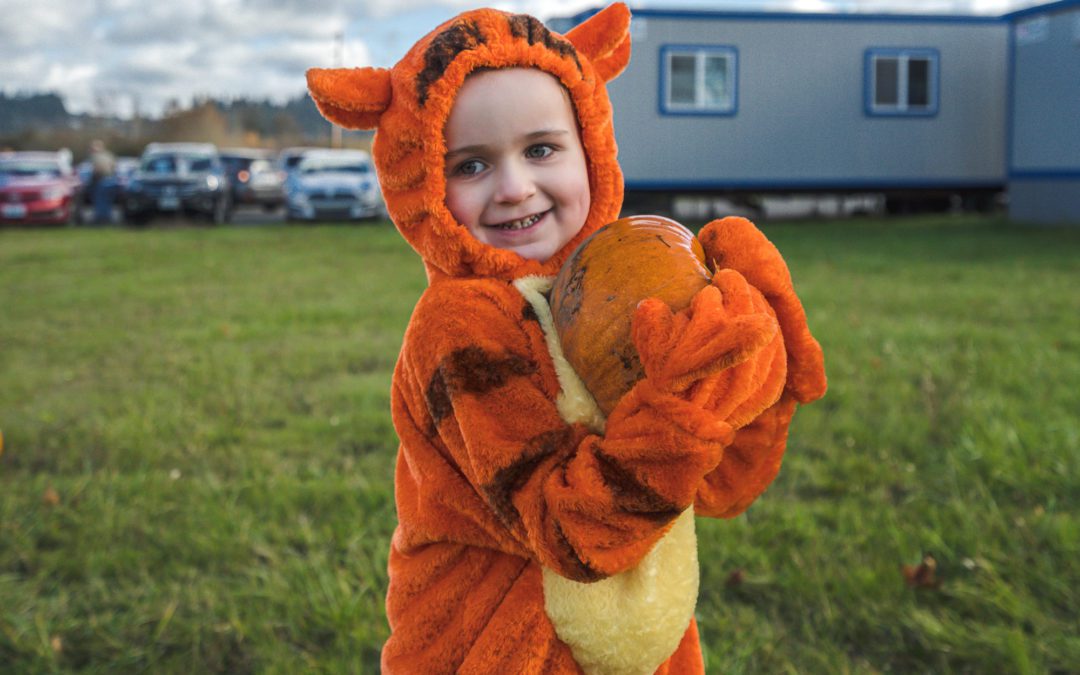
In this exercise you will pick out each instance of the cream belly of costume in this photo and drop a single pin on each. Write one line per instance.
(632, 622)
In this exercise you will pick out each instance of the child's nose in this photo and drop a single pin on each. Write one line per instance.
(515, 184)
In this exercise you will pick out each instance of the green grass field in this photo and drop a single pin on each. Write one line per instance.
(198, 455)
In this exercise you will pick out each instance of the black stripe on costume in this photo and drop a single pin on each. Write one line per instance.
(509, 480)
(529, 28)
(444, 48)
(633, 496)
(582, 571)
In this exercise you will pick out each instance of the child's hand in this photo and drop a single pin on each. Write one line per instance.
(735, 243)
(721, 328)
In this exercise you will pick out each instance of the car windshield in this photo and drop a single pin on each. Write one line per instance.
(292, 160)
(26, 168)
(176, 163)
(325, 165)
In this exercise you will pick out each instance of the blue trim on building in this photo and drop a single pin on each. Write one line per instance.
(934, 85)
(698, 112)
(1041, 9)
(841, 184)
(1068, 173)
(797, 16)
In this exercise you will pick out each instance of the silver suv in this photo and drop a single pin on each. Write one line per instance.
(179, 179)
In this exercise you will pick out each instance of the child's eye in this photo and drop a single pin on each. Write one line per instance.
(469, 167)
(539, 151)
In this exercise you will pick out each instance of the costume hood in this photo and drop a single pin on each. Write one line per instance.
(408, 106)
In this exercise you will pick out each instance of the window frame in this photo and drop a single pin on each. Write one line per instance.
(903, 57)
(699, 52)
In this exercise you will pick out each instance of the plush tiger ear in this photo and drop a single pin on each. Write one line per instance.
(353, 98)
(605, 39)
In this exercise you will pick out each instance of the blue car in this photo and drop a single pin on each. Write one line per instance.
(333, 185)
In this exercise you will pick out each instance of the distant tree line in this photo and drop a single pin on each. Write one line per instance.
(42, 122)
(24, 111)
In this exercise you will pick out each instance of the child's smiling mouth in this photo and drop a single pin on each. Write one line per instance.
(520, 223)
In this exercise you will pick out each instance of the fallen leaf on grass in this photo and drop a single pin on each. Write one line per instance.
(735, 578)
(50, 497)
(923, 575)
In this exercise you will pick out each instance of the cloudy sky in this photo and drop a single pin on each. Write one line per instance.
(116, 56)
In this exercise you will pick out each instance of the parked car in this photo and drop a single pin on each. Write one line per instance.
(332, 185)
(254, 178)
(39, 187)
(179, 178)
(125, 170)
(288, 158)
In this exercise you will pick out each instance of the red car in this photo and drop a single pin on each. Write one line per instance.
(38, 187)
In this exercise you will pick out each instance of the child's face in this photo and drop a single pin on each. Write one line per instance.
(515, 167)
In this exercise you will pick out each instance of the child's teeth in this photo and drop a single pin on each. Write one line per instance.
(519, 224)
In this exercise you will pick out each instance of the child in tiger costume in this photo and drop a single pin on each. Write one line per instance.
(535, 536)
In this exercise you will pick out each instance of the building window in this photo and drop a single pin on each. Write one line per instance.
(901, 81)
(698, 80)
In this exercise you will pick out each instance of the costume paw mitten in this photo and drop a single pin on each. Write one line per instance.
(734, 243)
(751, 461)
(680, 353)
(710, 354)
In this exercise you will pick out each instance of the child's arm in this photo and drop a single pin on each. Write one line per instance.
(753, 459)
(474, 388)
(750, 463)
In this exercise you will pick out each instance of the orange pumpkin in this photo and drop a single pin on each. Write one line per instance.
(598, 288)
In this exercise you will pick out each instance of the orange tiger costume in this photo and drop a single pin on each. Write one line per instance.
(534, 536)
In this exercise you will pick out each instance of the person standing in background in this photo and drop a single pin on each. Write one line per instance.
(102, 181)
